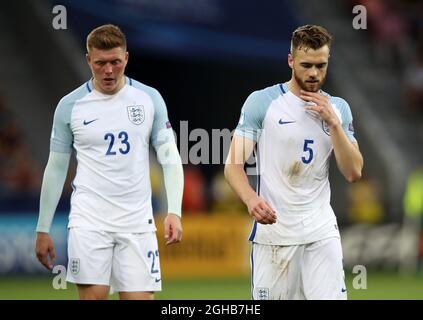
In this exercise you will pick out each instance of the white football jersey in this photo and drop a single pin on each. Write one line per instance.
(292, 152)
(111, 135)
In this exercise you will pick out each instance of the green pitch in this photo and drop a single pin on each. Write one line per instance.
(379, 286)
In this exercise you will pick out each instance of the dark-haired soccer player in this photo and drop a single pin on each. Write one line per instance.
(295, 127)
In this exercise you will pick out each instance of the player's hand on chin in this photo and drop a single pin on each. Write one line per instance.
(43, 248)
(173, 229)
(261, 211)
(323, 107)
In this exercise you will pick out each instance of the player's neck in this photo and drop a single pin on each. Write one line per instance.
(294, 87)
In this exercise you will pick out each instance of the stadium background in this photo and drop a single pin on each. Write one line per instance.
(205, 57)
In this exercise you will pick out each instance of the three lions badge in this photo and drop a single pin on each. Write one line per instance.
(136, 114)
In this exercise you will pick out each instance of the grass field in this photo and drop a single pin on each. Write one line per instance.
(380, 286)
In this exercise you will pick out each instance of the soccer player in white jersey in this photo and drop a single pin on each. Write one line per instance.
(295, 126)
(110, 121)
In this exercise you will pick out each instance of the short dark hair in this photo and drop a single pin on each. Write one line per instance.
(106, 37)
(310, 36)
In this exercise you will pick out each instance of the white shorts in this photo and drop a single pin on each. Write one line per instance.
(312, 271)
(126, 261)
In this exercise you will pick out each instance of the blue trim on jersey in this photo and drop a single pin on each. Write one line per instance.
(282, 89)
(258, 184)
(258, 168)
(252, 271)
(253, 232)
(88, 86)
(73, 188)
(130, 81)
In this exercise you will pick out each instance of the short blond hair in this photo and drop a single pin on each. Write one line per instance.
(106, 37)
(310, 36)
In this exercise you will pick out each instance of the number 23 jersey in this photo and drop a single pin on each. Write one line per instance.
(111, 135)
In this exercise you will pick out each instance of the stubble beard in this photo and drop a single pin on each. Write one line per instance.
(306, 87)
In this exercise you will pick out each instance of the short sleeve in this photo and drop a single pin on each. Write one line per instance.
(61, 139)
(161, 131)
(346, 116)
(252, 115)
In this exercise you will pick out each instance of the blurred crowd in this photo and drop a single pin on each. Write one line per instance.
(200, 195)
(19, 175)
(396, 30)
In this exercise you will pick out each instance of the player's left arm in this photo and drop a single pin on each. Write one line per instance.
(347, 153)
(173, 175)
(163, 141)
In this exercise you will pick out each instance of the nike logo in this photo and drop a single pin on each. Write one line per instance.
(88, 122)
(343, 290)
(285, 122)
(158, 280)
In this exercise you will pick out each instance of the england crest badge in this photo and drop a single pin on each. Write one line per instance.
(74, 265)
(262, 293)
(136, 114)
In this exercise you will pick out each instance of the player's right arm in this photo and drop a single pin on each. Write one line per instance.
(51, 190)
(244, 140)
(54, 178)
(240, 150)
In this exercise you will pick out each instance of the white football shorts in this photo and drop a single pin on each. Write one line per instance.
(311, 271)
(128, 262)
